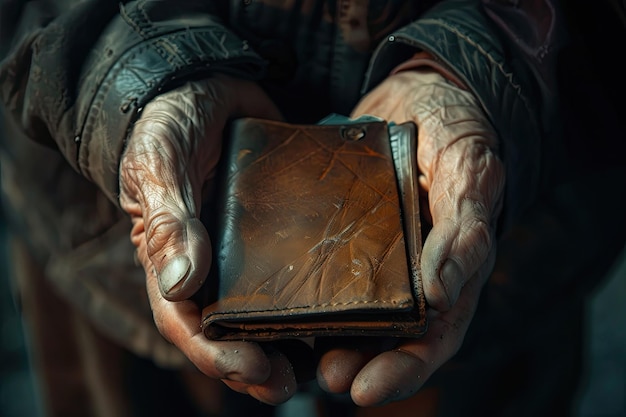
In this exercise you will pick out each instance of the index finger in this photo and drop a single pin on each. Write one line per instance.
(179, 322)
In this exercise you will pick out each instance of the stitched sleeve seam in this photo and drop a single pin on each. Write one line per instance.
(507, 75)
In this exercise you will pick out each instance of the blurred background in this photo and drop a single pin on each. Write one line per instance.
(603, 394)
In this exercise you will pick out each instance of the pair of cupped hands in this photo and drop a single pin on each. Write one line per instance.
(173, 153)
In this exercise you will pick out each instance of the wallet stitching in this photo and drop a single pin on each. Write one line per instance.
(397, 303)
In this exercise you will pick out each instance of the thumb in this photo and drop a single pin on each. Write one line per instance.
(159, 191)
(464, 179)
(453, 252)
(464, 198)
(173, 151)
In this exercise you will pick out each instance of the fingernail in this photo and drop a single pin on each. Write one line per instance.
(452, 278)
(174, 274)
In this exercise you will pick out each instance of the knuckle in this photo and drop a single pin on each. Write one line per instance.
(481, 231)
(163, 228)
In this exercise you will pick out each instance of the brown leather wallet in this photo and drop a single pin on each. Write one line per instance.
(319, 233)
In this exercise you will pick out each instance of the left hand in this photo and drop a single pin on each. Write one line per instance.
(464, 180)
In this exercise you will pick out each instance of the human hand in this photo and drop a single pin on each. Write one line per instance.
(171, 156)
(463, 179)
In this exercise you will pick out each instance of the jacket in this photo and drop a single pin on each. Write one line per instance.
(77, 74)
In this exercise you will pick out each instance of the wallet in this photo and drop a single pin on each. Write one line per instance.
(317, 232)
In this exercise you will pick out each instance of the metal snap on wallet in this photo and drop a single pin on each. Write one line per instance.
(318, 232)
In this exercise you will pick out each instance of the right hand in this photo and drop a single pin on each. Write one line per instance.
(170, 157)
(463, 178)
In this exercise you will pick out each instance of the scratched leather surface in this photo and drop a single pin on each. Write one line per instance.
(312, 240)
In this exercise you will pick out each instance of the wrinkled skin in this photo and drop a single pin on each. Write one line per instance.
(171, 156)
(463, 179)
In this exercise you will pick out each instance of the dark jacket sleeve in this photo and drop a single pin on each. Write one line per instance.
(506, 54)
(79, 80)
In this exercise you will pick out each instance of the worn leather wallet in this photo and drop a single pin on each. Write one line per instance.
(318, 233)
